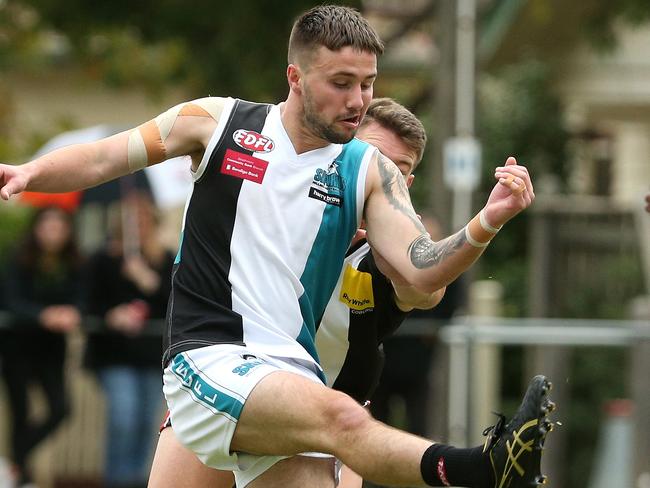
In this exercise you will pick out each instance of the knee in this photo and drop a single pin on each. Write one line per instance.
(344, 416)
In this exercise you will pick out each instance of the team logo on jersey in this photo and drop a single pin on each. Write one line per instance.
(328, 185)
(253, 141)
(244, 368)
(356, 290)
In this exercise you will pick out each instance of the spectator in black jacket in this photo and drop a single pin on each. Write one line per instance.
(42, 292)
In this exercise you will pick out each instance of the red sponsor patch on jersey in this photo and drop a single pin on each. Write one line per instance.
(253, 141)
(243, 166)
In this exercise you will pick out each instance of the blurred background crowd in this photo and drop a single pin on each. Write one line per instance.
(563, 290)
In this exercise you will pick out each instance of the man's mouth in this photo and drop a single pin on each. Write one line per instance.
(352, 120)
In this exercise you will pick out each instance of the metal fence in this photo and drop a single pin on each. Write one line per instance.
(474, 342)
(73, 456)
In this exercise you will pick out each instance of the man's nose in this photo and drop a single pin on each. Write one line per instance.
(355, 99)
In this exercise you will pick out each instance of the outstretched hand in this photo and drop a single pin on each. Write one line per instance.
(12, 181)
(512, 193)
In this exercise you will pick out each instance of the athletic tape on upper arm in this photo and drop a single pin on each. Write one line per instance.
(146, 144)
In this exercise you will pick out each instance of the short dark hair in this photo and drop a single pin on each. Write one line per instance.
(334, 27)
(400, 120)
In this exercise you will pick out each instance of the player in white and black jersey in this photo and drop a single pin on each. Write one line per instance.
(242, 378)
(365, 306)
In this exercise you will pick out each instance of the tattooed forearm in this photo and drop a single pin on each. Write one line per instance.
(395, 189)
(425, 253)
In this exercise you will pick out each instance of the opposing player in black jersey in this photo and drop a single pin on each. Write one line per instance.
(278, 193)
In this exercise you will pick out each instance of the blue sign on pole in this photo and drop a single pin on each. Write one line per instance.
(462, 163)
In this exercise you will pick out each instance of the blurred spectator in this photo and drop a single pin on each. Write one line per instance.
(647, 202)
(129, 281)
(42, 290)
(408, 359)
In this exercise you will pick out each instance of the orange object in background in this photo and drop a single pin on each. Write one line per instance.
(67, 201)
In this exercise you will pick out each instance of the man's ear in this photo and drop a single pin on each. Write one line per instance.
(409, 180)
(294, 75)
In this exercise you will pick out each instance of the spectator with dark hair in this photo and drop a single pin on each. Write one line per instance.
(42, 292)
(128, 284)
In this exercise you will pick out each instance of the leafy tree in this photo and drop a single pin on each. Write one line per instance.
(599, 25)
(238, 50)
(518, 115)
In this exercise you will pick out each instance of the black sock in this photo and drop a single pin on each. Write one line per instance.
(451, 466)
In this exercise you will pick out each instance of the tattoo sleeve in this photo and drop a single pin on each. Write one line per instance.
(425, 253)
(394, 187)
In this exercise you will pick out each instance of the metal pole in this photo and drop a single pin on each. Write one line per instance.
(443, 108)
(465, 97)
(459, 361)
(465, 67)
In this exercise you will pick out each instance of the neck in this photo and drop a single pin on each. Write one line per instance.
(302, 139)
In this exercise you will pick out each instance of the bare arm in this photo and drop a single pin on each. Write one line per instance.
(406, 296)
(70, 168)
(182, 130)
(397, 234)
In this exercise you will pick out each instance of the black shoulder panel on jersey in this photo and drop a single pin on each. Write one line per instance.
(200, 305)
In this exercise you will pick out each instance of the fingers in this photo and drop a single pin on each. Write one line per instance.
(515, 183)
(4, 194)
(516, 178)
(12, 181)
(8, 188)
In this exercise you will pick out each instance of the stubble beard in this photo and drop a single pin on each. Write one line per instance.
(321, 129)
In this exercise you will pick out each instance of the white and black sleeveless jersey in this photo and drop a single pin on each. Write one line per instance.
(360, 314)
(264, 236)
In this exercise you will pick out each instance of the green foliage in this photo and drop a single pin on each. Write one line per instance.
(599, 26)
(14, 223)
(597, 375)
(609, 288)
(239, 50)
(518, 115)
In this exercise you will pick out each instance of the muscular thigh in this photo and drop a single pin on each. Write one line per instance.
(298, 472)
(286, 415)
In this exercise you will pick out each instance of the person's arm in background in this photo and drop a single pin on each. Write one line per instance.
(99, 279)
(18, 300)
(28, 310)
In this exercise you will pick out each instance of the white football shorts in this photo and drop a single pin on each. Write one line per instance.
(206, 389)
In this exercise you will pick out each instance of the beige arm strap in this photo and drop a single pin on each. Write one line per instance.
(147, 141)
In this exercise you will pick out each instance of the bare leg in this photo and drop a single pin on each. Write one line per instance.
(298, 472)
(175, 466)
(287, 414)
